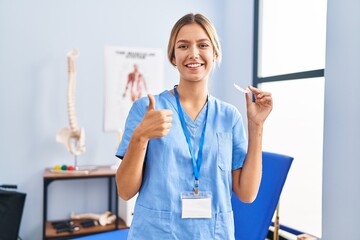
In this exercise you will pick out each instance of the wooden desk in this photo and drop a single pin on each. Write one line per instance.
(99, 172)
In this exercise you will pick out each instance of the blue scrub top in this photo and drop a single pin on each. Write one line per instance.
(169, 171)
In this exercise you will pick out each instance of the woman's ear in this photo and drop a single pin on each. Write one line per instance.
(173, 61)
(215, 57)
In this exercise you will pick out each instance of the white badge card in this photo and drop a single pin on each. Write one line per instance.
(196, 205)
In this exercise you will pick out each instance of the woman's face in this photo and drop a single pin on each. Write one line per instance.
(193, 53)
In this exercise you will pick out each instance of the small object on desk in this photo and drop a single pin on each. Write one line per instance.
(111, 219)
(55, 224)
(57, 167)
(67, 169)
(103, 219)
(62, 224)
(89, 223)
(67, 229)
(70, 168)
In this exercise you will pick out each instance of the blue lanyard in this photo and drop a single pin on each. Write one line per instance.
(196, 164)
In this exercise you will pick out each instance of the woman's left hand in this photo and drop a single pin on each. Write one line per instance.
(258, 111)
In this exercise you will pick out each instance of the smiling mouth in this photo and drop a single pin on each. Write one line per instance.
(194, 65)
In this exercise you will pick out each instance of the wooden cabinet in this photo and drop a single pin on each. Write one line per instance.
(98, 172)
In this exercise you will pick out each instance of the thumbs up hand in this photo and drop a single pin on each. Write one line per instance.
(152, 102)
(156, 123)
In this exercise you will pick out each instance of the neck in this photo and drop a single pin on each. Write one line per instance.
(193, 97)
(194, 93)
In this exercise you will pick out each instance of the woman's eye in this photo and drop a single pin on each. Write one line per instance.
(182, 46)
(204, 45)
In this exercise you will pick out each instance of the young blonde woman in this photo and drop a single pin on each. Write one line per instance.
(185, 152)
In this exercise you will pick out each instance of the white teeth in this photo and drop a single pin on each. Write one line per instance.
(194, 65)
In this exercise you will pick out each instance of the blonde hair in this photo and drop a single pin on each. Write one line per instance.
(205, 24)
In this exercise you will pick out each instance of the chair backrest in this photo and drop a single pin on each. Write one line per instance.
(252, 221)
(11, 209)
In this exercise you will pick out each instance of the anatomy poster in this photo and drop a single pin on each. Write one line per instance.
(130, 73)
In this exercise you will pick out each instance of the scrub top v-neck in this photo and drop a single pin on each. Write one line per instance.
(169, 171)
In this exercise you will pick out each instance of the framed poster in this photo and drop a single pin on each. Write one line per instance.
(130, 73)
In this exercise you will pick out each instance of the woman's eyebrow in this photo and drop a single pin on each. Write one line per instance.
(182, 41)
(203, 40)
(187, 41)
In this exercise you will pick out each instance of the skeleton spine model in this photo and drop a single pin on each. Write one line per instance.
(72, 137)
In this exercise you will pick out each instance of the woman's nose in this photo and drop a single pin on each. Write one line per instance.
(194, 53)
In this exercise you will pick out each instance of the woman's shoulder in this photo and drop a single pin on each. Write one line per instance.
(141, 102)
(223, 106)
(225, 111)
(144, 101)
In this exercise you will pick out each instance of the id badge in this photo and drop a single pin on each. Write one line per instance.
(196, 205)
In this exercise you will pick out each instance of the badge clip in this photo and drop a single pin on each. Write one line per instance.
(196, 187)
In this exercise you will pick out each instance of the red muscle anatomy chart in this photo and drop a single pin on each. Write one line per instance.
(130, 73)
(135, 84)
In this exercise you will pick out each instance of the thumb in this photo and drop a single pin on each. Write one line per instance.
(151, 102)
(248, 98)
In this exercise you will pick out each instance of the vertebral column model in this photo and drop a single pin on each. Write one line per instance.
(73, 138)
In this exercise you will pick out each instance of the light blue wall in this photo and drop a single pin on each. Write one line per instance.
(237, 36)
(34, 39)
(341, 188)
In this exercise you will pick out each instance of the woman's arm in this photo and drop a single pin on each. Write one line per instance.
(155, 124)
(246, 180)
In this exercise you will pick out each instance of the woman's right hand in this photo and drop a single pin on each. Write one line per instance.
(155, 124)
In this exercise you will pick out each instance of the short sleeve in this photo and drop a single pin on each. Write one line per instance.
(240, 143)
(135, 116)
